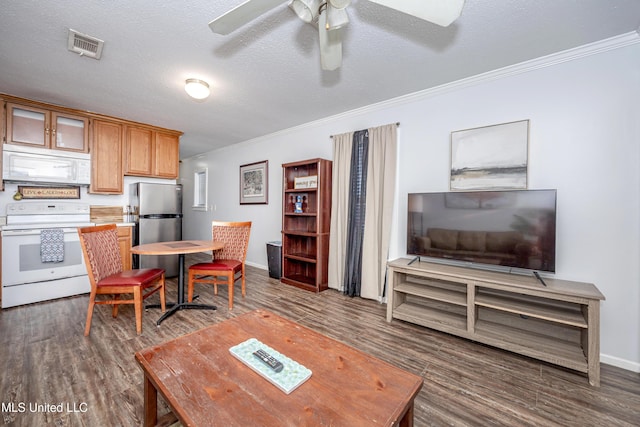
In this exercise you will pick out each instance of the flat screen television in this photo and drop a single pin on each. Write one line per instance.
(505, 229)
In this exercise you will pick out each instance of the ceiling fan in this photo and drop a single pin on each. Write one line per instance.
(330, 15)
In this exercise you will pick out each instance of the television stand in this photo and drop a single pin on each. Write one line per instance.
(558, 323)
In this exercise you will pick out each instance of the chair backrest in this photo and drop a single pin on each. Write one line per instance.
(235, 236)
(101, 251)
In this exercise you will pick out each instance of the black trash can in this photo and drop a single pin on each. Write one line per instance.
(274, 257)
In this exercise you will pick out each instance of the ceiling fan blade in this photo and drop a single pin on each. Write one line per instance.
(240, 15)
(330, 45)
(440, 12)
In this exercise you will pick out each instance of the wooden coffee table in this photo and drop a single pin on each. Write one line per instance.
(206, 386)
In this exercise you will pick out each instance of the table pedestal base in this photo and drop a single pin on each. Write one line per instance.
(184, 306)
(180, 305)
(181, 248)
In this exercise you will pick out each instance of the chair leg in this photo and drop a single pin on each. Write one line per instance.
(137, 302)
(92, 303)
(230, 281)
(190, 284)
(114, 308)
(244, 293)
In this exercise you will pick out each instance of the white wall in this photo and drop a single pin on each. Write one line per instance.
(224, 192)
(584, 111)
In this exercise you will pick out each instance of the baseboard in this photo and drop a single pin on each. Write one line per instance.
(620, 363)
(260, 266)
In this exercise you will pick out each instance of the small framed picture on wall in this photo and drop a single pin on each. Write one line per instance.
(254, 183)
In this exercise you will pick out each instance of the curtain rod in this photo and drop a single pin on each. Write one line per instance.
(397, 124)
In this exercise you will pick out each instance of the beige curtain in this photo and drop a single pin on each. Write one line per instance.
(381, 183)
(342, 145)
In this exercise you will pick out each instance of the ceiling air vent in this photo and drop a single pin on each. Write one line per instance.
(85, 45)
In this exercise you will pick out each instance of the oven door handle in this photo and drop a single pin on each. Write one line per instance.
(36, 232)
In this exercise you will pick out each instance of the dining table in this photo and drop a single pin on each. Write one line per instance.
(180, 248)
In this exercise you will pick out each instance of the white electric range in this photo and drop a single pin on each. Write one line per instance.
(25, 277)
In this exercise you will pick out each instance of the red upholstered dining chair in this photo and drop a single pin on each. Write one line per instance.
(227, 264)
(102, 257)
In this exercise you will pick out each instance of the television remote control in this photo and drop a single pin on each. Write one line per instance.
(269, 360)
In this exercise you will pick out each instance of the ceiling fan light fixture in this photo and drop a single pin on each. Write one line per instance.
(197, 89)
(339, 4)
(307, 10)
(336, 18)
(330, 44)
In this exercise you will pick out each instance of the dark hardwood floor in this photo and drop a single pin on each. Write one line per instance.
(46, 360)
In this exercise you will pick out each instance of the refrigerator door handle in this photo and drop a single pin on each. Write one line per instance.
(160, 216)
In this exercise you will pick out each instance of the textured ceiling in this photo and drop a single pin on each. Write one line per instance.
(266, 76)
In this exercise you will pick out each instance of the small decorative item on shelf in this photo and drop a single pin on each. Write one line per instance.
(298, 205)
(305, 182)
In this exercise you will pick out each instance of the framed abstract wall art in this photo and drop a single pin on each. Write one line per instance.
(491, 157)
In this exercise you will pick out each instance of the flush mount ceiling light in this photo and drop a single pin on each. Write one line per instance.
(197, 89)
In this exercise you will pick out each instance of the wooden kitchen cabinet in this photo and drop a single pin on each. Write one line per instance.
(118, 147)
(44, 128)
(125, 239)
(107, 175)
(167, 159)
(138, 151)
(150, 152)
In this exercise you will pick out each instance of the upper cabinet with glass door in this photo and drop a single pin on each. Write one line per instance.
(38, 127)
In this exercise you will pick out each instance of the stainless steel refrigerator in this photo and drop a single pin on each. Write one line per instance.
(157, 213)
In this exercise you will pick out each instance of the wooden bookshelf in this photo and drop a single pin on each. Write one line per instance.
(305, 227)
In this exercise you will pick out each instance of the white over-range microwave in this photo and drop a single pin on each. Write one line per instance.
(33, 164)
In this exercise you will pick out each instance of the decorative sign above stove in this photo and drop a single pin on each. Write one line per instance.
(67, 192)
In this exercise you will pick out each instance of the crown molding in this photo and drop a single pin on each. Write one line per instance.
(573, 54)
